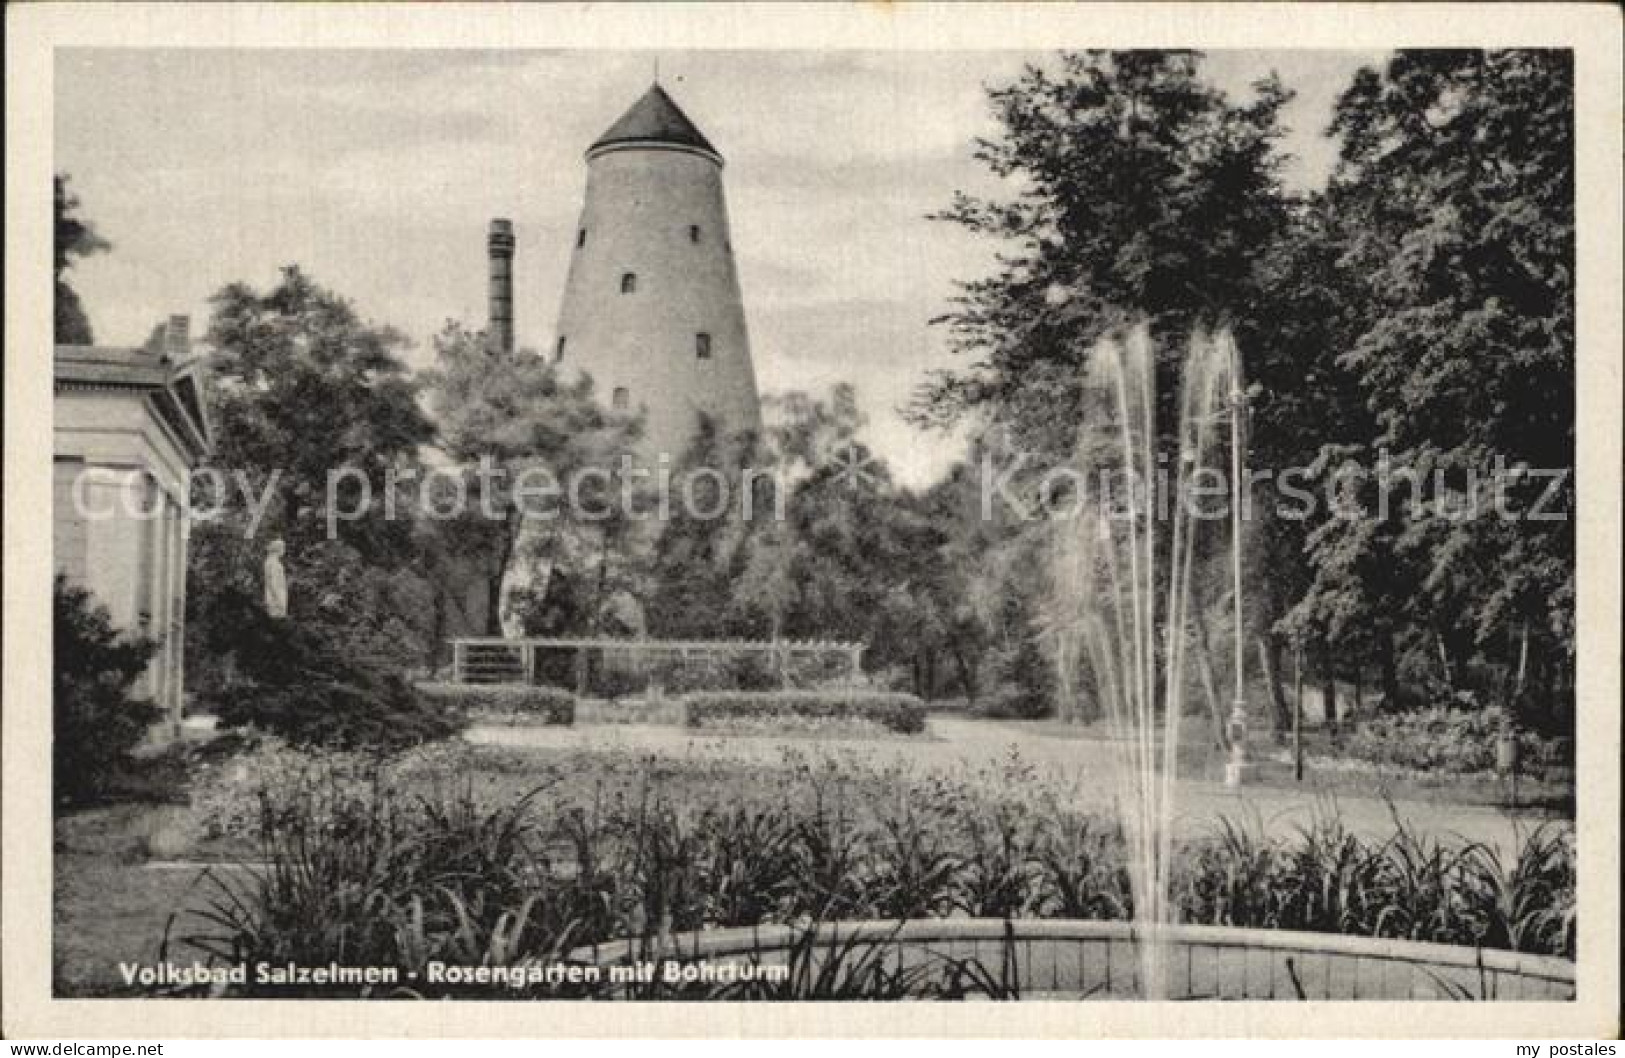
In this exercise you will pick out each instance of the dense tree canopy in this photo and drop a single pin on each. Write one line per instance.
(1453, 207)
(314, 410)
(513, 413)
(1414, 319)
(311, 399)
(706, 543)
(1143, 192)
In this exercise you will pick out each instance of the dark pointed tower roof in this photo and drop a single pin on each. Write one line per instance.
(655, 118)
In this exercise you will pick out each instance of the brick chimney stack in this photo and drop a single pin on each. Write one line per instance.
(501, 244)
(178, 338)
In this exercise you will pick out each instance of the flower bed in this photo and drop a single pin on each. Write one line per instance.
(502, 858)
(901, 714)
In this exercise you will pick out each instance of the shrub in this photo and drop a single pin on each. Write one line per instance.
(376, 617)
(676, 674)
(1017, 682)
(300, 684)
(364, 872)
(1443, 739)
(552, 705)
(97, 718)
(232, 797)
(615, 677)
(901, 713)
(1011, 702)
(753, 672)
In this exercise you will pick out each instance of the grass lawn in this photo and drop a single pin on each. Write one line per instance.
(1325, 774)
(109, 905)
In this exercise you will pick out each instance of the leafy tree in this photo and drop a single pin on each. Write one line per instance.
(1455, 198)
(75, 239)
(1415, 318)
(1306, 412)
(305, 390)
(758, 565)
(97, 717)
(855, 556)
(986, 582)
(703, 555)
(1145, 193)
(847, 529)
(767, 586)
(540, 435)
(809, 432)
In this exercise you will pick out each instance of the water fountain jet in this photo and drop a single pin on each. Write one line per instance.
(1133, 547)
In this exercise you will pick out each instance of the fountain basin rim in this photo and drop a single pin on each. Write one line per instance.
(744, 940)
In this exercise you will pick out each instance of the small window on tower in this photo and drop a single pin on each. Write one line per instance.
(622, 399)
(693, 233)
(702, 346)
(581, 237)
(558, 355)
(629, 283)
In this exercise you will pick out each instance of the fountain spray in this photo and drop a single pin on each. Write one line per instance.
(1112, 568)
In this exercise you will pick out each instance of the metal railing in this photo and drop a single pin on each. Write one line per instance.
(501, 660)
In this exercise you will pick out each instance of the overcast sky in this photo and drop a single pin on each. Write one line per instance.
(377, 172)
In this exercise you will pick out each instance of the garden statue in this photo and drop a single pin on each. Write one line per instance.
(509, 611)
(276, 581)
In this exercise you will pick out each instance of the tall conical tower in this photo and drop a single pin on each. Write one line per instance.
(652, 307)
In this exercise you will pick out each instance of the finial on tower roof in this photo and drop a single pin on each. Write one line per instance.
(655, 118)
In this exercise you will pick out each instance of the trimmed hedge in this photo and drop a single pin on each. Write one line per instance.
(553, 705)
(902, 713)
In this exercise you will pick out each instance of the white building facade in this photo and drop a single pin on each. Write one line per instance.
(129, 425)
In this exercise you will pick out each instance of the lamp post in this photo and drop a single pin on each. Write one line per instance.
(1238, 767)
